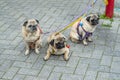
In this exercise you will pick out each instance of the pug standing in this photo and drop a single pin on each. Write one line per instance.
(82, 30)
(32, 35)
(57, 45)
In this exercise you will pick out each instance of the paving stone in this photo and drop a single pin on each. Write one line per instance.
(99, 68)
(13, 57)
(115, 65)
(22, 64)
(106, 60)
(11, 52)
(46, 71)
(71, 77)
(90, 75)
(117, 47)
(81, 69)
(91, 61)
(63, 69)
(27, 71)
(73, 61)
(56, 62)
(1, 74)
(19, 77)
(6, 65)
(108, 76)
(10, 73)
(97, 54)
(54, 76)
(29, 77)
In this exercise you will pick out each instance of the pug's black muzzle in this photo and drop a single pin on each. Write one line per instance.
(95, 22)
(59, 45)
(33, 28)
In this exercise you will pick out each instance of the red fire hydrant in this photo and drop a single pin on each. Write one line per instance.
(110, 9)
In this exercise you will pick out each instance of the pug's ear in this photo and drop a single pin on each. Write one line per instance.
(64, 39)
(37, 21)
(88, 18)
(52, 42)
(25, 23)
(98, 16)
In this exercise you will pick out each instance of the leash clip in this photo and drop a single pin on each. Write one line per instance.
(81, 24)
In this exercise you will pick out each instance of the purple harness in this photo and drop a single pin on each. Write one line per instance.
(87, 34)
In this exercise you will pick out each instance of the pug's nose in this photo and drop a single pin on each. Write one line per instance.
(34, 28)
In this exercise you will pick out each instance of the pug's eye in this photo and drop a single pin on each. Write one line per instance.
(30, 26)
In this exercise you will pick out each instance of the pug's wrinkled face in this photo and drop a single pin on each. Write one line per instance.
(93, 19)
(31, 25)
(58, 43)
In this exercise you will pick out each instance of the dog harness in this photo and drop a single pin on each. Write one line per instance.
(87, 34)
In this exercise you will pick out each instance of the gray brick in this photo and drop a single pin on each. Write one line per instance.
(103, 76)
(46, 71)
(54, 76)
(90, 75)
(115, 66)
(73, 61)
(89, 61)
(19, 77)
(106, 60)
(22, 64)
(6, 65)
(81, 69)
(63, 69)
(56, 62)
(13, 57)
(99, 68)
(10, 73)
(32, 58)
(117, 47)
(38, 64)
(1, 74)
(4, 27)
(71, 77)
(11, 52)
(27, 71)
(16, 41)
(108, 76)
(97, 54)
(116, 59)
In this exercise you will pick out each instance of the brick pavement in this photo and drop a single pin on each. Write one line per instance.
(100, 60)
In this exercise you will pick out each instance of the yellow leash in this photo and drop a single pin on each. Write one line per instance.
(106, 2)
(70, 25)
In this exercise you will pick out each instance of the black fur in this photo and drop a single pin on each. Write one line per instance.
(25, 23)
(88, 19)
(37, 21)
(52, 42)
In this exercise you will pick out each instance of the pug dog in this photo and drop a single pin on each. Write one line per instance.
(57, 45)
(31, 33)
(82, 30)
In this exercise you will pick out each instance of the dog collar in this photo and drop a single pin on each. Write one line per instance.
(68, 46)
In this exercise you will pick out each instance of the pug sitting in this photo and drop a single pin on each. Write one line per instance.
(82, 30)
(32, 35)
(57, 45)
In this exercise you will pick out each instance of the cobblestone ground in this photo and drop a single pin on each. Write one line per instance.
(100, 60)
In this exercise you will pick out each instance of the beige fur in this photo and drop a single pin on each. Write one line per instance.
(53, 50)
(87, 26)
(32, 40)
